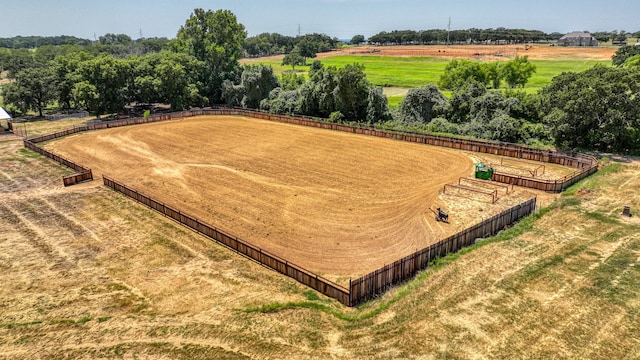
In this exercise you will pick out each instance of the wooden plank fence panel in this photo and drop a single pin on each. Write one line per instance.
(372, 284)
(303, 276)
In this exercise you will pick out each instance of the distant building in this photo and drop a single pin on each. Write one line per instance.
(578, 38)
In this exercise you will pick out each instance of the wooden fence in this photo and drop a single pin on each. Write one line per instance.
(586, 165)
(360, 290)
(375, 283)
(379, 281)
(83, 174)
(271, 261)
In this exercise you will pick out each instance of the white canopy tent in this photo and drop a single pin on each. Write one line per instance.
(4, 115)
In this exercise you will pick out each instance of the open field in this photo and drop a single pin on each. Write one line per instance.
(338, 204)
(404, 67)
(408, 72)
(88, 274)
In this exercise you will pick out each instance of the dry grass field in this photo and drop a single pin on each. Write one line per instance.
(338, 204)
(88, 274)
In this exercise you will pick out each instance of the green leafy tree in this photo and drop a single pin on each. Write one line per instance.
(289, 80)
(494, 74)
(316, 95)
(294, 59)
(357, 40)
(594, 109)
(34, 88)
(65, 68)
(282, 101)
(87, 97)
(518, 71)
(351, 92)
(5, 56)
(459, 108)
(215, 38)
(256, 83)
(306, 48)
(18, 60)
(460, 71)
(377, 105)
(103, 88)
(143, 85)
(422, 104)
(623, 53)
(338, 94)
(632, 62)
(114, 39)
(14, 98)
(176, 80)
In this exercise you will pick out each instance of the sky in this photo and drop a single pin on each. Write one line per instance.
(342, 19)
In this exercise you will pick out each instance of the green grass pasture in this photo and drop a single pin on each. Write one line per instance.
(409, 72)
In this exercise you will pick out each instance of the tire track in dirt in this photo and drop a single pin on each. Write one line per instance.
(581, 279)
(68, 221)
(12, 184)
(175, 341)
(37, 237)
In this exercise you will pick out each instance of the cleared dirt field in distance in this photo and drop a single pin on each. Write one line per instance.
(338, 204)
(533, 51)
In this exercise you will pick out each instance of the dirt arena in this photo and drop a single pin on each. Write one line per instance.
(338, 204)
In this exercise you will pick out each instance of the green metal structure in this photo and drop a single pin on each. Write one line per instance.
(484, 172)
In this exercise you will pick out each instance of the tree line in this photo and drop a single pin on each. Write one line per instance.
(33, 42)
(478, 36)
(473, 35)
(595, 109)
(267, 44)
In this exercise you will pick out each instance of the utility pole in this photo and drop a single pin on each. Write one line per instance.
(299, 30)
(448, 30)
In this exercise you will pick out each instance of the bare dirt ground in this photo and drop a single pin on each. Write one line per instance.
(492, 52)
(338, 204)
(522, 167)
(534, 52)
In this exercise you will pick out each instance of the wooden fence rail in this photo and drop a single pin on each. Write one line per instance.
(83, 174)
(375, 283)
(379, 281)
(263, 257)
(585, 164)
